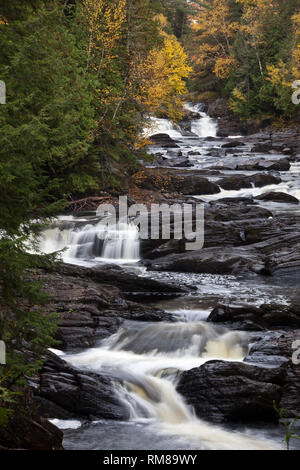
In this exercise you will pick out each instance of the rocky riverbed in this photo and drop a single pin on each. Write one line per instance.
(210, 330)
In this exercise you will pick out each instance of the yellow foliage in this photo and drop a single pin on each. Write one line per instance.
(104, 25)
(277, 75)
(296, 52)
(223, 67)
(215, 32)
(239, 95)
(161, 75)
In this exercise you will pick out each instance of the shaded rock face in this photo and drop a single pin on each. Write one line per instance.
(265, 317)
(223, 391)
(278, 197)
(237, 182)
(227, 222)
(215, 260)
(178, 161)
(91, 310)
(275, 349)
(230, 124)
(27, 429)
(165, 181)
(162, 139)
(263, 165)
(63, 391)
(283, 253)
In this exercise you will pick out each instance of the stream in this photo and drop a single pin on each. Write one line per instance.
(148, 358)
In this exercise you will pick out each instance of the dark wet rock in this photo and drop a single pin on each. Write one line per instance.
(77, 392)
(233, 200)
(227, 222)
(91, 307)
(248, 317)
(223, 391)
(27, 429)
(233, 144)
(278, 348)
(235, 152)
(264, 165)
(177, 160)
(193, 185)
(263, 179)
(262, 147)
(278, 197)
(215, 260)
(162, 139)
(278, 165)
(171, 180)
(190, 116)
(237, 182)
(283, 253)
(170, 146)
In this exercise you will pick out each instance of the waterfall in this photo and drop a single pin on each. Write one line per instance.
(161, 126)
(92, 241)
(147, 362)
(122, 244)
(205, 126)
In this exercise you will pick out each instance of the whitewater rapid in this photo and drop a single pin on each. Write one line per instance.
(148, 362)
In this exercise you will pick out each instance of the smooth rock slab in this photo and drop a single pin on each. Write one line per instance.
(248, 317)
(215, 260)
(223, 391)
(78, 392)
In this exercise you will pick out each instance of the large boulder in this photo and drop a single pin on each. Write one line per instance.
(278, 197)
(248, 317)
(237, 182)
(196, 185)
(263, 165)
(174, 181)
(91, 307)
(283, 253)
(162, 139)
(72, 392)
(214, 260)
(264, 179)
(221, 391)
(277, 349)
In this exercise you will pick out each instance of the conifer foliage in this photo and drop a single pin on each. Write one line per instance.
(81, 78)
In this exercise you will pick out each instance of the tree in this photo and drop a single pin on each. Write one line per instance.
(45, 136)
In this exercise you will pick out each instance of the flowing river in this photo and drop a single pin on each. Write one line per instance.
(148, 358)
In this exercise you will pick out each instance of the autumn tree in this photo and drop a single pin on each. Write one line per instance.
(162, 76)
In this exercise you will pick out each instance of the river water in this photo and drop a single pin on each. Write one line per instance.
(148, 358)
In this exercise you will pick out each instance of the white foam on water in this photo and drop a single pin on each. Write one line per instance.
(285, 187)
(205, 126)
(147, 362)
(89, 243)
(66, 423)
(161, 126)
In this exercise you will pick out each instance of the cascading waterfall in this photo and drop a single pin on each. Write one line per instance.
(158, 126)
(205, 126)
(147, 361)
(92, 241)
